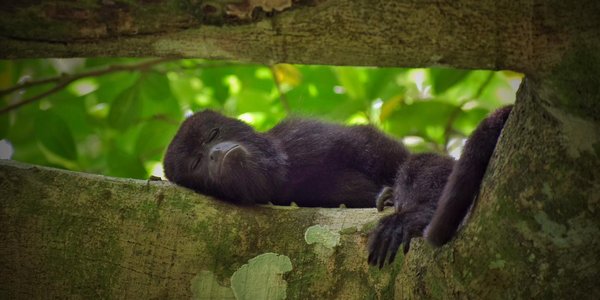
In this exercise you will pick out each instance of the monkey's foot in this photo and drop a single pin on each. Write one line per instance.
(393, 230)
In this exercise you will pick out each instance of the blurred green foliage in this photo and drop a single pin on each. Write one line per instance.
(119, 123)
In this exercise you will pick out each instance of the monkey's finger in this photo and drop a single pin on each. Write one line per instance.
(377, 236)
(394, 248)
(383, 250)
(374, 242)
(371, 258)
(372, 247)
(406, 241)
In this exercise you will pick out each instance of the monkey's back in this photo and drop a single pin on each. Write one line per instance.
(331, 164)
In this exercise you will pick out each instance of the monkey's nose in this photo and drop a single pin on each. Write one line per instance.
(218, 151)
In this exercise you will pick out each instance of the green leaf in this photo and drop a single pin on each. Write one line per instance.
(124, 164)
(250, 78)
(111, 86)
(352, 79)
(444, 79)
(30, 152)
(155, 85)
(153, 139)
(253, 100)
(4, 122)
(158, 99)
(213, 78)
(22, 127)
(317, 96)
(382, 83)
(55, 135)
(468, 120)
(427, 119)
(71, 108)
(126, 110)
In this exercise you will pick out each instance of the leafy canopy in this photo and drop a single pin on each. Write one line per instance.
(118, 121)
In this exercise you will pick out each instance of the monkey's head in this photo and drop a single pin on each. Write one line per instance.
(224, 157)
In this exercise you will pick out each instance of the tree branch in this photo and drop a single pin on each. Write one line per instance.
(63, 81)
(28, 84)
(335, 32)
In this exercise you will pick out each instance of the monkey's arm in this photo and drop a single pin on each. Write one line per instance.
(465, 179)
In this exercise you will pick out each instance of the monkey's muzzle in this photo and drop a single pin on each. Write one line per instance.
(227, 153)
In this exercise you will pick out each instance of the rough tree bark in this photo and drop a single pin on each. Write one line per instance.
(461, 34)
(66, 234)
(534, 233)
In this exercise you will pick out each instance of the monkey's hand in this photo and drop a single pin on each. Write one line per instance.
(393, 230)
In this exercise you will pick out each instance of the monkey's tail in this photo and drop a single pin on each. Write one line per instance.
(465, 179)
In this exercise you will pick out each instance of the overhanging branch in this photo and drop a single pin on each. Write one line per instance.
(64, 80)
(480, 34)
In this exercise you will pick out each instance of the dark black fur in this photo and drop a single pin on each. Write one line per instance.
(308, 162)
(433, 193)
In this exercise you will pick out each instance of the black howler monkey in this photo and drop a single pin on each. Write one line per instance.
(320, 164)
(306, 161)
(433, 193)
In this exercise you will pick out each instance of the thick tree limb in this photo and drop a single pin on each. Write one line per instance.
(66, 234)
(518, 35)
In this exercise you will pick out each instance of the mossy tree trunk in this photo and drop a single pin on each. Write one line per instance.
(535, 231)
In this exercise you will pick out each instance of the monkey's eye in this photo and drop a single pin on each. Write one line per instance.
(212, 135)
(195, 163)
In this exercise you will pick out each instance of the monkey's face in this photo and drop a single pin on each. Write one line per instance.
(224, 157)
